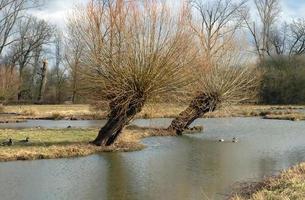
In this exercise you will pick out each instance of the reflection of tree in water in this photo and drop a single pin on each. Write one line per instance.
(215, 167)
(191, 168)
(118, 179)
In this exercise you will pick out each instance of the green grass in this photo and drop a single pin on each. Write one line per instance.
(62, 143)
(48, 137)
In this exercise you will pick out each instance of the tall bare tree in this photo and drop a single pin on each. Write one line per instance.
(10, 11)
(32, 34)
(59, 70)
(134, 51)
(215, 23)
(224, 81)
(73, 52)
(297, 37)
(268, 12)
(288, 39)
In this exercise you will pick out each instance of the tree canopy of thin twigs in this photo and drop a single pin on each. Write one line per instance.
(133, 52)
(225, 81)
(214, 24)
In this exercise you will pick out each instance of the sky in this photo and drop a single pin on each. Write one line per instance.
(293, 8)
(55, 11)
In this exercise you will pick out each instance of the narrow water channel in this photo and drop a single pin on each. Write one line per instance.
(180, 168)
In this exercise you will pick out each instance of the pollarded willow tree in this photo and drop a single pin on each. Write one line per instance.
(222, 85)
(220, 78)
(133, 52)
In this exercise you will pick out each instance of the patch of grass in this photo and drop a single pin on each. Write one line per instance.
(57, 116)
(60, 143)
(156, 110)
(49, 111)
(28, 111)
(2, 108)
(287, 116)
(290, 184)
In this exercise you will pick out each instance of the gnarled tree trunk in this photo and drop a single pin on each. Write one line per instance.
(119, 117)
(199, 106)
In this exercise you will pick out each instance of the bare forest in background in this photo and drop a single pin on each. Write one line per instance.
(41, 63)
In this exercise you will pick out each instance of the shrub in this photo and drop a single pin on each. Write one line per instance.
(283, 81)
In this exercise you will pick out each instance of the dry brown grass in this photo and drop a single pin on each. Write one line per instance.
(153, 110)
(75, 111)
(63, 143)
(1, 108)
(290, 184)
(287, 116)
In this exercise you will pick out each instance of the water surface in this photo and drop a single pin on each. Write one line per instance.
(180, 168)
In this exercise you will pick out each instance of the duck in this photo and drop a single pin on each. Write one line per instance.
(221, 140)
(27, 139)
(234, 140)
(8, 143)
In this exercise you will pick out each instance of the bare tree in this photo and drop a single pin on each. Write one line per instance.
(224, 81)
(35, 67)
(59, 71)
(279, 39)
(73, 53)
(297, 37)
(221, 86)
(10, 11)
(268, 11)
(32, 34)
(134, 51)
(215, 24)
(288, 39)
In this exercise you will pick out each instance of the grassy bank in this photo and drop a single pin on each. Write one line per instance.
(290, 184)
(63, 143)
(286, 116)
(150, 111)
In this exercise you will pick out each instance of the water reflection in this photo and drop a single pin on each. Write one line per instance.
(188, 167)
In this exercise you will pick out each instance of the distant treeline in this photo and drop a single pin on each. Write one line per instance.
(283, 80)
(41, 63)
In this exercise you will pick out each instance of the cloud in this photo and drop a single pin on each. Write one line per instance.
(56, 11)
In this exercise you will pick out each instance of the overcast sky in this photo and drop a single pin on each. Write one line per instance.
(55, 11)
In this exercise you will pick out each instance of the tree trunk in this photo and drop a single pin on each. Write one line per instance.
(43, 81)
(199, 106)
(73, 97)
(118, 119)
(19, 95)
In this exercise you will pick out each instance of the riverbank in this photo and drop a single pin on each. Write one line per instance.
(160, 110)
(289, 184)
(65, 143)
